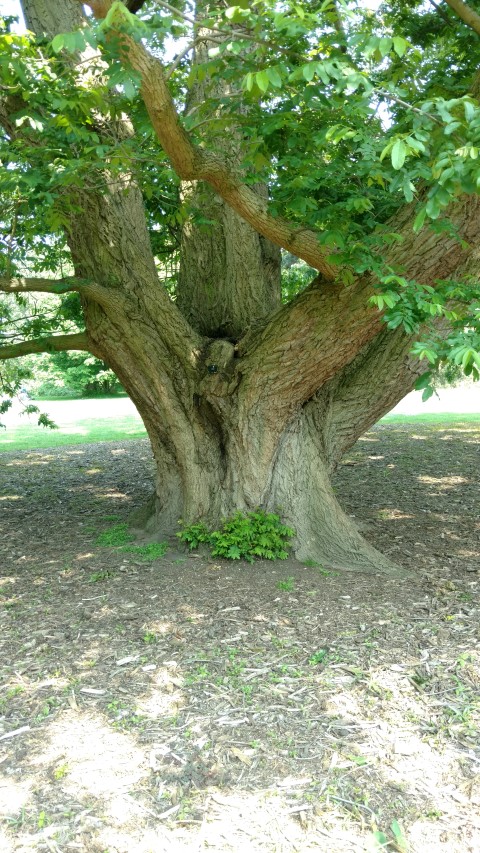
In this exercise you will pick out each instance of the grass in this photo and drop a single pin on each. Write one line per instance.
(119, 427)
(439, 418)
(88, 431)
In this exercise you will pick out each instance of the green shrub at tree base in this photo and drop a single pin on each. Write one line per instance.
(243, 536)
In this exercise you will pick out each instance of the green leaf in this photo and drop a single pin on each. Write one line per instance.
(262, 80)
(423, 381)
(386, 150)
(385, 46)
(58, 43)
(274, 77)
(248, 81)
(399, 834)
(420, 219)
(130, 89)
(399, 152)
(234, 552)
(399, 45)
(70, 42)
(308, 71)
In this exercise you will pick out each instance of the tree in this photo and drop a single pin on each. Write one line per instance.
(346, 138)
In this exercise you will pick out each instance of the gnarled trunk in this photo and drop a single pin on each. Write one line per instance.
(247, 404)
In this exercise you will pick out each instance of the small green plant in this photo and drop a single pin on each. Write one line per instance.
(102, 575)
(287, 585)
(114, 536)
(380, 841)
(194, 535)
(147, 553)
(399, 835)
(61, 771)
(318, 657)
(149, 638)
(118, 536)
(43, 820)
(243, 536)
(15, 691)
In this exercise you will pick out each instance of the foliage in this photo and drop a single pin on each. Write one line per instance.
(118, 536)
(296, 276)
(346, 113)
(287, 585)
(114, 536)
(147, 553)
(65, 374)
(243, 536)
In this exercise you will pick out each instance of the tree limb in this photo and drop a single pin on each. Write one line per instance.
(108, 298)
(54, 343)
(466, 13)
(320, 332)
(41, 285)
(191, 162)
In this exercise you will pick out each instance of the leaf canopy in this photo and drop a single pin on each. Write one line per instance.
(348, 112)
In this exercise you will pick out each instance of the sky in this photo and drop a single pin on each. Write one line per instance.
(12, 7)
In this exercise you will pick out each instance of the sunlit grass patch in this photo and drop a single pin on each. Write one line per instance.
(88, 431)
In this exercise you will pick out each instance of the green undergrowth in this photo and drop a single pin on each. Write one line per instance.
(118, 536)
(243, 536)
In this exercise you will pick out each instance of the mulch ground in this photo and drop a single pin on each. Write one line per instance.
(191, 704)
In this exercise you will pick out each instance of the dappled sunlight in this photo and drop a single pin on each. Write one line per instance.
(8, 579)
(183, 704)
(112, 494)
(14, 794)
(28, 460)
(393, 514)
(158, 627)
(443, 483)
(11, 498)
(101, 762)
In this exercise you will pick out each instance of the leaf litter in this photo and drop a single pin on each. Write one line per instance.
(187, 704)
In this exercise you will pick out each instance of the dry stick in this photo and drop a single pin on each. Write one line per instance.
(15, 732)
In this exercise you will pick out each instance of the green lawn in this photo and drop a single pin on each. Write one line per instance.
(32, 437)
(120, 428)
(439, 418)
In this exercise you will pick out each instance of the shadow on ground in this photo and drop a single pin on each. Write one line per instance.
(189, 704)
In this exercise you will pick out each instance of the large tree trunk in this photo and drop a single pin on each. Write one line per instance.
(247, 404)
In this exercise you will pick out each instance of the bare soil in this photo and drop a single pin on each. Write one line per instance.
(188, 704)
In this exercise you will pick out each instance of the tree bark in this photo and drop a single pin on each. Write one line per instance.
(247, 404)
(229, 277)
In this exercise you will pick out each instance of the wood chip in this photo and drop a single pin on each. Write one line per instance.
(92, 691)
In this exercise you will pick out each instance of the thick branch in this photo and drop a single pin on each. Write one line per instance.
(304, 345)
(41, 285)
(466, 13)
(193, 163)
(55, 343)
(309, 341)
(104, 296)
(381, 375)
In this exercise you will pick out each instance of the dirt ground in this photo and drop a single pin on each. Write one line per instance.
(187, 704)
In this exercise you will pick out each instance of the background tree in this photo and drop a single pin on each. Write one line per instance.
(350, 139)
